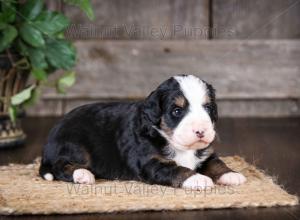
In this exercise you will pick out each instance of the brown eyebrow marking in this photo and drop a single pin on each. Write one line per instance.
(180, 101)
(207, 98)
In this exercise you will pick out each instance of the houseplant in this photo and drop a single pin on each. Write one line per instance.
(32, 46)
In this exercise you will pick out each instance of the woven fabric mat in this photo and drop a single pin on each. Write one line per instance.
(22, 191)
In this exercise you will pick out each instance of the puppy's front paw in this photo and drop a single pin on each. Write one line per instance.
(198, 182)
(231, 178)
(83, 176)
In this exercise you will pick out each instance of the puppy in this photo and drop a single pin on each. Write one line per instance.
(164, 139)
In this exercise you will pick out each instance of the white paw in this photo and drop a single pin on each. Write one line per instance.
(48, 176)
(198, 182)
(232, 178)
(83, 176)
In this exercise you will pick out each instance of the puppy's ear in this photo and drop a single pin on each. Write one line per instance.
(151, 112)
(214, 108)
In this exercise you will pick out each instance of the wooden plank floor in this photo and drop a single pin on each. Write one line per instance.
(272, 144)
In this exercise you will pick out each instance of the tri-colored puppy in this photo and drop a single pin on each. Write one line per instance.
(164, 139)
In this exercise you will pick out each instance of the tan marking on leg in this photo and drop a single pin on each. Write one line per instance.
(162, 159)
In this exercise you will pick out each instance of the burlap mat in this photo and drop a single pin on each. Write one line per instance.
(22, 191)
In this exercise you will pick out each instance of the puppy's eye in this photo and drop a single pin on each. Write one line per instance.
(207, 107)
(177, 112)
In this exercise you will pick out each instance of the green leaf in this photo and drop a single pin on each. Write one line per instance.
(31, 35)
(51, 22)
(2, 25)
(60, 54)
(31, 9)
(7, 36)
(37, 58)
(8, 13)
(60, 35)
(35, 55)
(84, 5)
(35, 95)
(12, 113)
(22, 48)
(22, 96)
(66, 81)
(39, 74)
(44, 16)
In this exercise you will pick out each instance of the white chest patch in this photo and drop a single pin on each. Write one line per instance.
(186, 159)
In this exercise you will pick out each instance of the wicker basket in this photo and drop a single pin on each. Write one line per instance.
(12, 81)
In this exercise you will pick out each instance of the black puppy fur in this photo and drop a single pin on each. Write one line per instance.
(118, 141)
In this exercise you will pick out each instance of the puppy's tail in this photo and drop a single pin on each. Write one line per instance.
(45, 171)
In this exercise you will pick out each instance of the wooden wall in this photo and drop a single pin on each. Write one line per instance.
(256, 19)
(141, 20)
(248, 49)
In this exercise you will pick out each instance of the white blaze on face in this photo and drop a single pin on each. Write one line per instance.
(197, 118)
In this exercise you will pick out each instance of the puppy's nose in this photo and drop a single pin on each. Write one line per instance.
(200, 134)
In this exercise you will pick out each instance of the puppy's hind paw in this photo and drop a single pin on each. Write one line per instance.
(83, 176)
